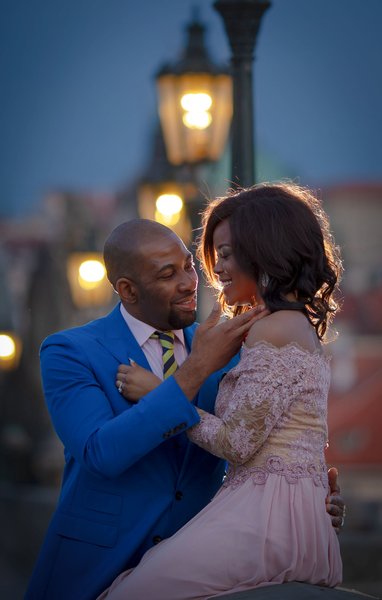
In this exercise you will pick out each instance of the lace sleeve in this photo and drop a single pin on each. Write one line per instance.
(256, 393)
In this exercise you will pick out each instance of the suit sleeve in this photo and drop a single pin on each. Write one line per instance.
(104, 443)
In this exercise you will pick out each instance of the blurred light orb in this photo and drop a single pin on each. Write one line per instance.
(196, 102)
(197, 120)
(7, 347)
(169, 204)
(168, 209)
(91, 273)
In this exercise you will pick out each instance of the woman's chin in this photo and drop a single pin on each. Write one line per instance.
(232, 301)
(229, 300)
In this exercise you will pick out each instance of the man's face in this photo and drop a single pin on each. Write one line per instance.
(166, 284)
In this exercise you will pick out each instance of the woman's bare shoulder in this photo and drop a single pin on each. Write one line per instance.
(284, 327)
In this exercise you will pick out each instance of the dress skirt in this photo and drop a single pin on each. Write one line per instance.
(249, 535)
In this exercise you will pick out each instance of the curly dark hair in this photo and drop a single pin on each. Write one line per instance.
(281, 238)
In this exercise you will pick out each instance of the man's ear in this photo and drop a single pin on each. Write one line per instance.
(126, 290)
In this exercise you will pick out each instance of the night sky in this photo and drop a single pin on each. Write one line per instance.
(78, 100)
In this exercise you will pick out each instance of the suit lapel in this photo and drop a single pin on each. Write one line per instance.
(117, 338)
(188, 337)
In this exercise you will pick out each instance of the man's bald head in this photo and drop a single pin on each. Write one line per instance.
(122, 248)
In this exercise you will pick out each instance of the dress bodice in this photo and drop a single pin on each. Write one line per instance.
(270, 415)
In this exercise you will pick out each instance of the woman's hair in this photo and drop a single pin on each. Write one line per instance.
(281, 238)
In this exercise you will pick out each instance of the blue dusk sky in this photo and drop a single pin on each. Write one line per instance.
(78, 99)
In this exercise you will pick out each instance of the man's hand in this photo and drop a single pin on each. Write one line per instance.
(335, 504)
(134, 381)
(214, 345)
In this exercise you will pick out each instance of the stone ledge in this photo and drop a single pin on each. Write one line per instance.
(297, 591)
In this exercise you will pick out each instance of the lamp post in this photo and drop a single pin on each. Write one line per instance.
(242, 21)
(195, 110)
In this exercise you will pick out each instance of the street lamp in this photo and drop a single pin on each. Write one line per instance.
(195, 103)
(168, 208)
(242, 21)
(164, 191)
(164, 202)
(87, 279)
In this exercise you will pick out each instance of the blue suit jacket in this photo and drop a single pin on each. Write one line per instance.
(131, 476)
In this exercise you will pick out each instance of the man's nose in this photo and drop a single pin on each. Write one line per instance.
(189, 280)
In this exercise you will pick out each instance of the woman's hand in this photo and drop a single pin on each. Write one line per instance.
(134, 382)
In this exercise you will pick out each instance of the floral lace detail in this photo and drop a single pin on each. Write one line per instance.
(305, 447)
(272, 405)
(276, 465)
(295, 346)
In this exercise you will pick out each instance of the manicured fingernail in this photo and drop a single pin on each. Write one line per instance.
(132, 362)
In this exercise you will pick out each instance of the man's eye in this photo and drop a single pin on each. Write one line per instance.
(166, 275)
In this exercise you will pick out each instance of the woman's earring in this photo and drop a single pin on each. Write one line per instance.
(264, 280)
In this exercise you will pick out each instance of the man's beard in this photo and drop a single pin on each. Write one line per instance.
(178, 321)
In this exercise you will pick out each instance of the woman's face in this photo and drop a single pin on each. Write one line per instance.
(237, 286)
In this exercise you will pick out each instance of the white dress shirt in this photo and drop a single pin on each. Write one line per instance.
(152, 348)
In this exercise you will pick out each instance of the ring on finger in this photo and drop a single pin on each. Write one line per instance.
(120, 387)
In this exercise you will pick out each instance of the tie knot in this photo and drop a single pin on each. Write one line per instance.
(166, 338)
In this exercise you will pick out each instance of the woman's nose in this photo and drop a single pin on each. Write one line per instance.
(218, 268)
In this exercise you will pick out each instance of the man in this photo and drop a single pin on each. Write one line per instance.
(131, 477)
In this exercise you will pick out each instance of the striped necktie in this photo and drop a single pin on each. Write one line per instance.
(166, 339)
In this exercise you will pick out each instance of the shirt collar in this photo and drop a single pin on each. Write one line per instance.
(142, 331)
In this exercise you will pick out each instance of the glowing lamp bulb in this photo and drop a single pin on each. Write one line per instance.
(7, 347)
(169, 204)
(196, 102)
(196, 107)
(91, 273)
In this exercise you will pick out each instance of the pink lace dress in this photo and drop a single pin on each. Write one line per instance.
(268, 523)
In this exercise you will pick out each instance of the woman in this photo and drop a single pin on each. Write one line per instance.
(268, 244)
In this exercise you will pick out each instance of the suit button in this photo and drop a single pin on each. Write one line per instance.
(157, 539)
(178, 495)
